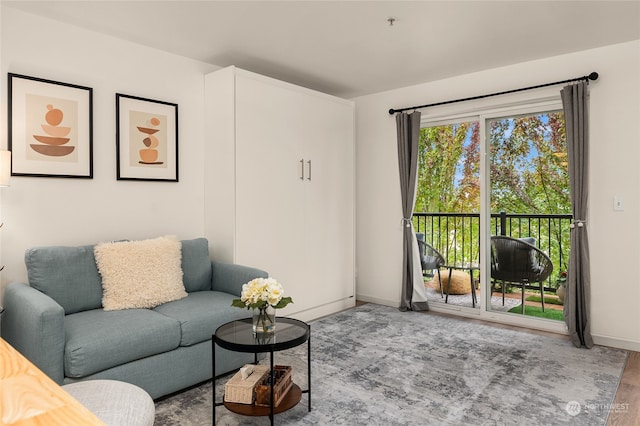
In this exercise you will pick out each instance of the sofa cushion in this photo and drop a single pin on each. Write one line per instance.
(98, 339)
(200, 313)
(140, 274)
(66, 274)
(196, 265)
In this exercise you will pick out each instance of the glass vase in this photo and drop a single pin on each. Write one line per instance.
(264, 320)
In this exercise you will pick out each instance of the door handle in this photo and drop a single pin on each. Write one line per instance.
(309, 163)
(302, 169)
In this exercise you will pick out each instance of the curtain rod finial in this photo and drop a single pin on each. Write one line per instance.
(593, 76)
(392, 111)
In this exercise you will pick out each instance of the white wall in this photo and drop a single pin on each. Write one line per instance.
(47, 211)
(615, 149)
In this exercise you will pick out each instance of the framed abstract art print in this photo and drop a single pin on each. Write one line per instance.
(146, 139)
(50, 128)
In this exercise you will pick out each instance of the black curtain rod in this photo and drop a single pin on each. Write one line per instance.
(592, 76)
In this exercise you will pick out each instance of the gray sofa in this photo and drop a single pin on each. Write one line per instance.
(58, 322)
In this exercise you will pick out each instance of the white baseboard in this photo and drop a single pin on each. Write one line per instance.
(324, 310)
(614, 342)
(377, 301)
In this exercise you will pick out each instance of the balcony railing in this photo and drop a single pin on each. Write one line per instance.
(457, 235)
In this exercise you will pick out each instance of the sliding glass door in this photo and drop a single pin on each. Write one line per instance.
(487, 179)
(447, 217)
(530, 208)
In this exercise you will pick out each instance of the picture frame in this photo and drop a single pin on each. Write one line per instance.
(146, 139)
(50, 128)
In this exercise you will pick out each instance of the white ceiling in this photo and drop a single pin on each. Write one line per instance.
(347, 48)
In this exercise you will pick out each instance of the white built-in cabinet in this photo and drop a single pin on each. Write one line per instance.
(279, 163)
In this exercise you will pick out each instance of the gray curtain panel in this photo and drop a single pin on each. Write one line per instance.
(408, 129)
(576, 304)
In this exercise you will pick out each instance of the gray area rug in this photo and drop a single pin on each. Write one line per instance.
(375, 365)
(464, 300)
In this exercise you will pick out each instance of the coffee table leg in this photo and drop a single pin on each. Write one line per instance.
(273, 379)
(309, 368)
(213, 372)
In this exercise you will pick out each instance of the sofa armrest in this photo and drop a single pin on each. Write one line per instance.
(33, 324)
(229, 277)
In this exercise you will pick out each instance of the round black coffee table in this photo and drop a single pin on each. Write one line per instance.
(238, 336)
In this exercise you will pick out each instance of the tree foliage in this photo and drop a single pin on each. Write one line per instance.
(443, 154)
(528, 165)
(528, 169)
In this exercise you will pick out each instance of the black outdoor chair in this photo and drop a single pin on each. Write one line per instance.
(518, 262)
(431, 259)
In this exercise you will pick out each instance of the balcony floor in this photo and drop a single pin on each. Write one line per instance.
(512, 300)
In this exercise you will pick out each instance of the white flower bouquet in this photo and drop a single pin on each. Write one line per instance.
(265, 295)
(260, 293)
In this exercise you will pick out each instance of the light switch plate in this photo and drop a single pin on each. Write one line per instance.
(618, 205)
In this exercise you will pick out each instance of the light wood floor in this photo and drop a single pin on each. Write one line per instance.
(628, 395)
(626, 406)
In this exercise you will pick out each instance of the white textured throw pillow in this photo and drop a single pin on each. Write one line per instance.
(140, 274)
